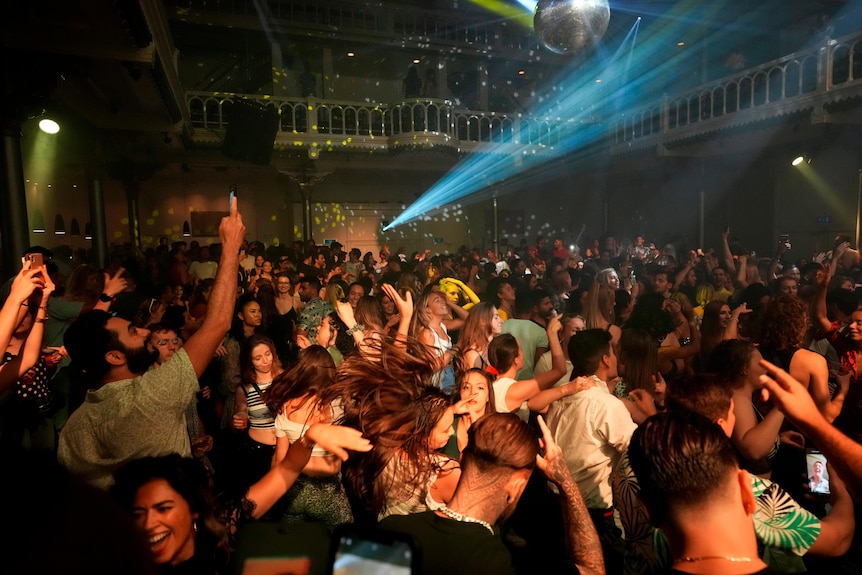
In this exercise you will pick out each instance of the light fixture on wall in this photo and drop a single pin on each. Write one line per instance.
(187, 230)
(38, 222)
(49, 126)
(74, 227)
(59, 226)
(88, 231)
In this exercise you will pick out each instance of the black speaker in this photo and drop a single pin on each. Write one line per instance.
(251, 129)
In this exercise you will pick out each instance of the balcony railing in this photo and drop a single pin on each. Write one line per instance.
(315, 123)
(807, 79)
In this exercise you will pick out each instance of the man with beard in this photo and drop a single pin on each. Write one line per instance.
(130, 412)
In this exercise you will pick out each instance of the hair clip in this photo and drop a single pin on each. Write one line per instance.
(491, 370)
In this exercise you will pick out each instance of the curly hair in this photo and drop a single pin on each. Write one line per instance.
(784, 323)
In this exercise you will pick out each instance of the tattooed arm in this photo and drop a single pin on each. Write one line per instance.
(582, 540)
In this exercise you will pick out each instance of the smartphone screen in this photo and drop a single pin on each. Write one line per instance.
(231, 195)
(818, 476)
(360, 555)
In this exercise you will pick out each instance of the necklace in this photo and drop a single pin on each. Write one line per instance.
(464, 518)
(707, 557)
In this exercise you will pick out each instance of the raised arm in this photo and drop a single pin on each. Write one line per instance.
(526, 389)
(732, 329)
(818, 304)
(33, 346)
(726, 254)
(334, 438)
(793, 399)
(202, 345)
(754, 439)
(405, 311)
(582, 541)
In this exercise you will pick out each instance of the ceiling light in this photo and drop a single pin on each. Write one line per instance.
(416, 61)
(49, 126)
(797, 160)
(351, 54)
(521, 72)
(680, 43)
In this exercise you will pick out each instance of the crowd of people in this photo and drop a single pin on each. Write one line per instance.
(208, 387)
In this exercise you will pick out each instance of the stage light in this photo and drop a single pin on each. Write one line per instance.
(187, 231)
(74, 227)
(798, 160)
(88, 231)
(59, 226)
(49, 126)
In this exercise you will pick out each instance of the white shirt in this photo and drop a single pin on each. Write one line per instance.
(593, 428)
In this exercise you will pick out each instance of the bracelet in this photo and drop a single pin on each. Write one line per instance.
(733, 319)
(355, 328)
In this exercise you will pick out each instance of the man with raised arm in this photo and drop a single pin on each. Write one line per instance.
(130, 412)
(495, 467)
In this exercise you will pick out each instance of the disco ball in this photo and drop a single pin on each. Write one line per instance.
(571, 26)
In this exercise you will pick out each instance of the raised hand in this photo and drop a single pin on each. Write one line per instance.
(553, 464)
(116, 283)
(404, 304)
(337, 439)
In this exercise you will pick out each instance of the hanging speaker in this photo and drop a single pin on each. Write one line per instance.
(251, 130)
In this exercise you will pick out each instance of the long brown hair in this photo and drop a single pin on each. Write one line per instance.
(386, 396)
(314, 372)
(246, 367)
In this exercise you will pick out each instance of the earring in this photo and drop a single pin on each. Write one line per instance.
(195, 526)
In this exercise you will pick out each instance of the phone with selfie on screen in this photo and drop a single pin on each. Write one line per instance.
(357, 551)
(818, 475)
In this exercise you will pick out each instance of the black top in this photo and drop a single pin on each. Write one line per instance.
(452, 547)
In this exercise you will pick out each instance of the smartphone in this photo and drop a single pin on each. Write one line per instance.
(818, 476)
(231, 195)
(357, 551)
(35, 260)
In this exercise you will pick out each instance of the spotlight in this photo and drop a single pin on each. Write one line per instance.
(59, 226)
(49, 126)
(798, 160)
(88, 231)
(187, 231)
(74, 227)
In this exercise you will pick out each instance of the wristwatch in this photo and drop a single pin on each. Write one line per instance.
(106, 298)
